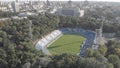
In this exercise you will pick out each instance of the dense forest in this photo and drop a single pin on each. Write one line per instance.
(17, 48)
(7, 14)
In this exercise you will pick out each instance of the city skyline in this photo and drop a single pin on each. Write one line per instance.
(67, 0)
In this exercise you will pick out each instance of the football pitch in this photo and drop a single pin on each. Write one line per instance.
(67, 43)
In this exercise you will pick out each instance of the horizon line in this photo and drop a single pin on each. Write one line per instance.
(57, 0)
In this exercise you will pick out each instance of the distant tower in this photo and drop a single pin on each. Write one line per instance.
(86, 3)
(69, 3)
(0, 5)
(0, 2)
(48, 3)
(39, 1)
(15, 6)
(102, 24)
(30, 2)
(16, 0)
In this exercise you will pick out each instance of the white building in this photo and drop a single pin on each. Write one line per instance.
(3, 9)
(70, 10)
(15, 6)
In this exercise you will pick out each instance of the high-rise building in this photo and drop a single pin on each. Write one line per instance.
(48, 3)
(15, 6)
(30, 2)
(16, 0)
(70, 10)
(0, 3)
(69, 3)
(86, 3)
(0, 6)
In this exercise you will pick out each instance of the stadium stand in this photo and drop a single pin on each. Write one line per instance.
(44, 42)
(89, 35)
(50, 38)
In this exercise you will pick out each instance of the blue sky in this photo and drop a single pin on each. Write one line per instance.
(72, 0)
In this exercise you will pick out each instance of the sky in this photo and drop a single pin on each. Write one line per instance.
(71, 0)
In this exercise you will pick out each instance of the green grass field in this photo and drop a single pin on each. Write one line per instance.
(69, 43)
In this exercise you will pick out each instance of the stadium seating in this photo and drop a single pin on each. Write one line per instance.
(47, 39)
(89, 35)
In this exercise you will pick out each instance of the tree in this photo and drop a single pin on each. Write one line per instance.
(3, 63)
(102, 49)
(26, 65)
(114, 59)
(89, 52)
(63, 61)
(11, 55)
(109, 65)
(3, 55)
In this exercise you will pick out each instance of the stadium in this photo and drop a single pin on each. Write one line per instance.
(46, 44)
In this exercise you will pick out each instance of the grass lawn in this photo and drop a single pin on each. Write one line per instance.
(69, 43)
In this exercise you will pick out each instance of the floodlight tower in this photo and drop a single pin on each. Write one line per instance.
(30, 29)
(58, 20)
(103, 19)
(99, 37)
